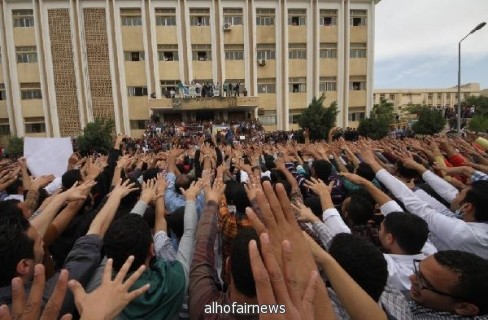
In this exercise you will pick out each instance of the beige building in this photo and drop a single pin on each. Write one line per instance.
(64, 63)
(430, 97)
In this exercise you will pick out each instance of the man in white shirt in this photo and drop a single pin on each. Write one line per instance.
(402, 235)
(447, 233)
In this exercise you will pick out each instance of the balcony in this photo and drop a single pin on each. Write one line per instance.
(199, 103)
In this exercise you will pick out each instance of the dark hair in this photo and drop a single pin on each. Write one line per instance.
(409, 230)
(322, 169)
(406, 172)
(477, 196)
(235, 194)
(128, 235)
(130, 200)
(150, 174)
(10, 207)
(472, 271)
(70, 177)
(175, 221)
(240, 262)
(362, 261)
(313, 202)
(182, 181)
(364, 170)
(15, 245)
(360, 208)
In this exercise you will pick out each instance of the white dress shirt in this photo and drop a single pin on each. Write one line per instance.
(447, 233)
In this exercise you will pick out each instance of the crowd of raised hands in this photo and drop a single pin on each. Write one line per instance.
(287, 264)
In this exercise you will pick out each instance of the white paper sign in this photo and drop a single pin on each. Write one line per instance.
(47, 155)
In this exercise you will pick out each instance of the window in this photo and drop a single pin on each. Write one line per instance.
(328, 50)
(266, 51)
(356, 84)
(392, 97)
(233, 16)
(29, 91)
(328, 17)
(439, 96)
(268, 118)
(167, 86)
(165, 17)
(234, 52)
(26, 54)
(297, 51)
(138, 124)
(168, 52)
(35, 125)
(328, 84)
(265, 17)
(23, 18)
(200, 17)
(202, 52)
(430, 95)
(131, 17)
(356, 116)
(136, 91)
(358, 18)
(297, 85)
(358, 50)
(3, 93)
(266, 86)
(134, 55)
(294, 118)
(4, 127)
(297, 17)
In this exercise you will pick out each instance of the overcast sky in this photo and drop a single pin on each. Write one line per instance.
(416, 43)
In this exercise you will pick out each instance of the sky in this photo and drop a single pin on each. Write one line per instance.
(416, 43)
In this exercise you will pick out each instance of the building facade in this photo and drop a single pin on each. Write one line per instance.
(64, 63)
(440, 98)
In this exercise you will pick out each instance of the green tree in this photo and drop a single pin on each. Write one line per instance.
(480, 105)
(97, 136)
(15, 147)
(379, 121)
(319, 119)
(479, 124)
(430, 121)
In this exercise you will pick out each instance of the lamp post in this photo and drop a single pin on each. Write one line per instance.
(479, 26)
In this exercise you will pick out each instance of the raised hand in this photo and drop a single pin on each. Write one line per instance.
(318, 186)
(149, 193)
(123, 188)
(193, 191)
(304, 213)
(41, 182)
(31, 309)
(277, 287)
(108, 300)
(214, 192)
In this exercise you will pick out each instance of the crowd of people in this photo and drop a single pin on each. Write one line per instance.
(205, 89)
(225, 228)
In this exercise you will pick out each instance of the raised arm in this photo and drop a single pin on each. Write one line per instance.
(42, 221)
(358, 304)
(103, 219)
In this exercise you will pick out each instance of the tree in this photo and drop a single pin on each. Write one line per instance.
(379, 121)
(430, 121)
(15, 147)
(96, 137)
(480, 105)
(479, 124)
(319, 119)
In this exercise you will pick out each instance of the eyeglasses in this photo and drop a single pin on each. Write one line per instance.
(422, 281)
